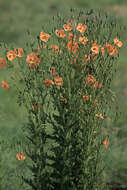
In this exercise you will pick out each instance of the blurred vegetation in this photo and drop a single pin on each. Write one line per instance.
(16, 17)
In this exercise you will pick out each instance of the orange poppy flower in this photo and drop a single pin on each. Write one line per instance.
(85, 98)
(118, 42)
(63, 100)
(83, 40)
(53, 72)
(33, 59)
(44, 37)
(5, 85)
(20, 156)
(33, 107)
(71, 36)
(100, 115)
(58, 81)
(48, 81)
(97, 85)
(3, 63)
(18, 52)
(112, 50)
(67, 27)
(106, 143)
(60, 33)
(95, 49)
(90, 79)
(11, 55)
(55, 48)
(81, 28)
(72, 46)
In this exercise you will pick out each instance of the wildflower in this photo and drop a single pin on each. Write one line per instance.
(33, 59)
(90, 79)
(60, 33)
(118, 42)
(100, 115)
(20, 156)
(112, 50)
(97, 85)
(106, 143)
(83, 40)
(71, 36)
(67, 27)
(58, 81)
(44, 37)
(81, 28)
(5, 85)
(55, 48)
(48, 81)
(95, 49)
(11, 55)
(72, 46)
(85, 98)
(63, 100)
(18, 52)
(3, 63)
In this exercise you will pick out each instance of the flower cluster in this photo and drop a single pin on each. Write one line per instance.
(74, 42)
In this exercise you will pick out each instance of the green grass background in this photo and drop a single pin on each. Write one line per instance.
(15, 18)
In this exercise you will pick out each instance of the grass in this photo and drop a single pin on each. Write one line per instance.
(15, 19)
